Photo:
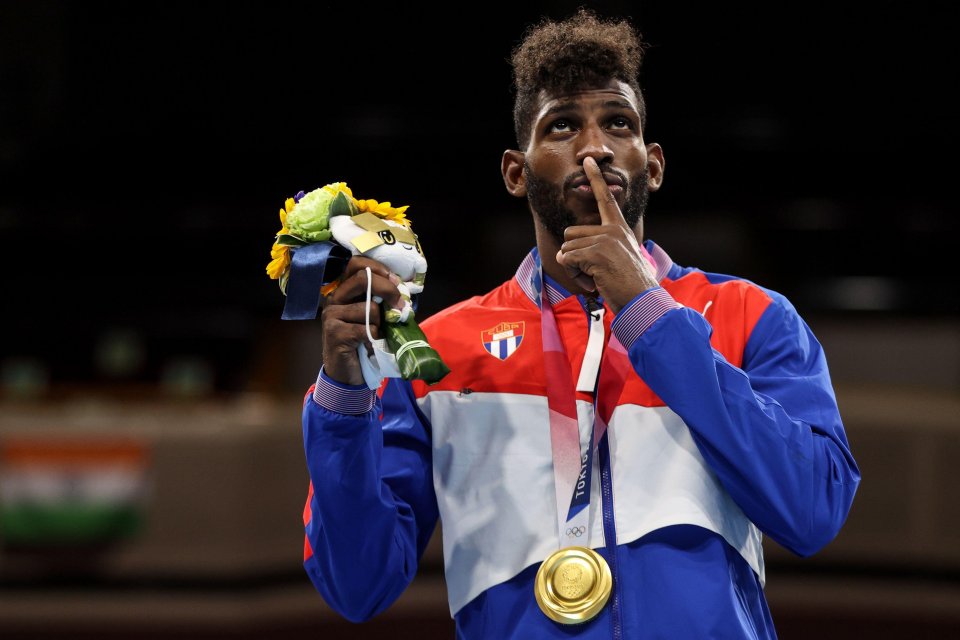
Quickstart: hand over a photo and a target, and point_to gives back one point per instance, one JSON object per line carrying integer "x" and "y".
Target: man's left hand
{"x": 606, "y": 257}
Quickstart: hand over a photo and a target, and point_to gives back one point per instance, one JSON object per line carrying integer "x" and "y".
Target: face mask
{"x": 383, "y": 363}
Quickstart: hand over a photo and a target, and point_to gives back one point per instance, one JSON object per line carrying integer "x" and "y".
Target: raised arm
{"x": 770, "y": 431}
{"x": 371, "y": 507}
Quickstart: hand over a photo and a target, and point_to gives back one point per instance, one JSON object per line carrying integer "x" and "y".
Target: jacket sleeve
{"x": 371, "y": 508}
{"x": 771, "y": 431}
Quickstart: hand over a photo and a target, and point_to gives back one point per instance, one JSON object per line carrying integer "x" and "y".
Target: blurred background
{"x": 151, "y": 465}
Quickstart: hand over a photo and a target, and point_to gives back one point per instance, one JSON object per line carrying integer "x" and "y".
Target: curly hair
{"x": 580, "y": 52}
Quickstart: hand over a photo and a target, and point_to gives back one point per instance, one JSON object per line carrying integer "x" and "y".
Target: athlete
{"x": 617, "y": 432}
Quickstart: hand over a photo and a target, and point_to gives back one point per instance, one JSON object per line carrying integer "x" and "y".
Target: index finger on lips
{"x": 607, "y": 204}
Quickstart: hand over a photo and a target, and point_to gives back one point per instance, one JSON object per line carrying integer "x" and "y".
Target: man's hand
{"x": 344, "y": 317}
{"x": 606, "y": 257}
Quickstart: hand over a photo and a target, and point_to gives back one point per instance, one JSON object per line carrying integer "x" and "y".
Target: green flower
{"x": 309, "y": 220}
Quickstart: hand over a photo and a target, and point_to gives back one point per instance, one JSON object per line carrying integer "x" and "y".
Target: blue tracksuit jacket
{"x": 727, "y": 428}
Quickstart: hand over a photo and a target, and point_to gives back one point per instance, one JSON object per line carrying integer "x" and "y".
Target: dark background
{"x": 145, "y": 149}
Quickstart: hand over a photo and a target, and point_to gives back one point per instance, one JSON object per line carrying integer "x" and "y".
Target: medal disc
{"x": 573, "y": 584}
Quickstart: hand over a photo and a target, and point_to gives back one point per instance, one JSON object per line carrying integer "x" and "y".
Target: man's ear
{"x": 512, "y": 169}
{"x": 655, "y": 166}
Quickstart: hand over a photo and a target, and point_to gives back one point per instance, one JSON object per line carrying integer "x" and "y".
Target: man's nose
{"x": 593, "y": 143}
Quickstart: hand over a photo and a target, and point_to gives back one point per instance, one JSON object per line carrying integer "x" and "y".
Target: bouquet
{"x": 320, "y": 231}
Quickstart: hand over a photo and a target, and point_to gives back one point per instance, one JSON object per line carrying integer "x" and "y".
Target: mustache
{"x": 582, "y": 175}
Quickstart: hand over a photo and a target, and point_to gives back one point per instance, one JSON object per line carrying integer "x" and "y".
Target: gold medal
{"x": 572, "y": 585}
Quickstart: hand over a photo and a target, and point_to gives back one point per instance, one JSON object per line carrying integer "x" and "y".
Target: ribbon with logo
{"x": 573, "y": 442}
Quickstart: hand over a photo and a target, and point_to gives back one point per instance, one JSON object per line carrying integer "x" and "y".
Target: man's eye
{"x": 559, "y": 125}
{"x": 621, "y": 123}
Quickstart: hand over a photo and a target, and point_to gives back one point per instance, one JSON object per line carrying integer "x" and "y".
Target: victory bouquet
{"x": 320, "y": 231}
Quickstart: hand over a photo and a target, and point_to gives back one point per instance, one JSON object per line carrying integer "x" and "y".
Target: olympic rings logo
{"x": 576, "y": 532}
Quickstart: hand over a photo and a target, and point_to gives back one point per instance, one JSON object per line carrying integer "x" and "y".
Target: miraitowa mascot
{"x": 320, "y": 231}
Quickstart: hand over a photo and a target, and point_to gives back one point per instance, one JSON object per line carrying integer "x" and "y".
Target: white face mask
{"x": 383, "y": 363}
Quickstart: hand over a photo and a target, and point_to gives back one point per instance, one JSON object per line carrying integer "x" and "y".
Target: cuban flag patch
{"x": 502, "y": 340}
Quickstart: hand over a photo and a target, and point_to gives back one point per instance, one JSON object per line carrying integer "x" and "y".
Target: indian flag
{"x": 70, "y": 491}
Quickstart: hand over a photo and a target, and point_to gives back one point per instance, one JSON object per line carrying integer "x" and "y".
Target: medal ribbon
{"x": 572, "y": 463}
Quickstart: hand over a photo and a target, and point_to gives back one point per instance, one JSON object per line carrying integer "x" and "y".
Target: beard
{"x": 546, "y": 200}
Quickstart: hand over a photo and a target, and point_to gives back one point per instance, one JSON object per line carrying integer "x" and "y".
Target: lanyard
{"x": 573, "y": 458}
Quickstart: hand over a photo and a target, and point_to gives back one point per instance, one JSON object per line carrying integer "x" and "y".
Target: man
{"x": 617, "y": 430}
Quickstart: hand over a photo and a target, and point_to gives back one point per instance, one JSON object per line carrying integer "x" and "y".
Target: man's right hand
{"x": 344, "y": 317}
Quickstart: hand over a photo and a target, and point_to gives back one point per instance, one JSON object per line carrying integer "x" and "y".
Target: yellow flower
{"x": 280, "y": 253}
{"x": 280, "y": 263}
{"x": 385, "y": 210}
{"x": 336, "y": 187}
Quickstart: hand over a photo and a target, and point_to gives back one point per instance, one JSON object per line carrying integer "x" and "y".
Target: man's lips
{"x": 581, "y": 184}
{"x": 586, "y": 189}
